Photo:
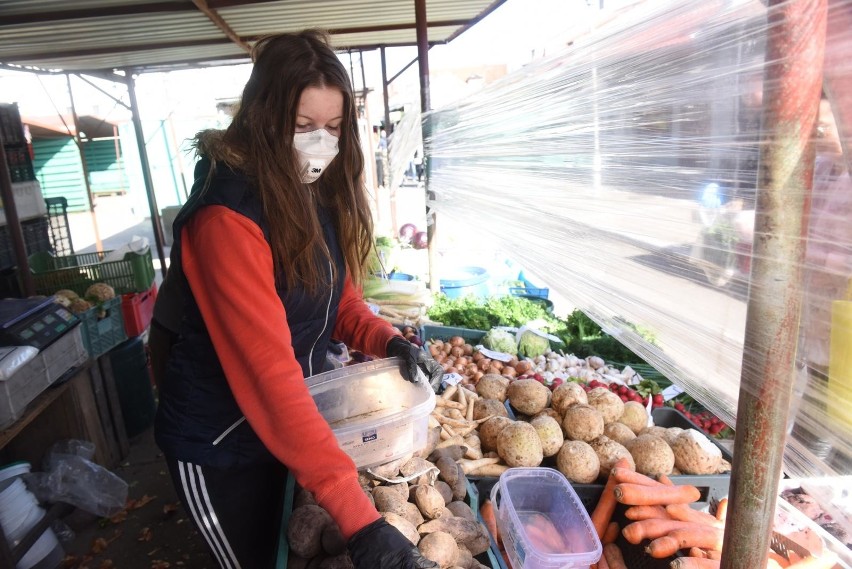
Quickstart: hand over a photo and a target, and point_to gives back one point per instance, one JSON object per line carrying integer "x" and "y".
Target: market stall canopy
{"x": 54, "y": 127}
{"x": 103, "y": 35}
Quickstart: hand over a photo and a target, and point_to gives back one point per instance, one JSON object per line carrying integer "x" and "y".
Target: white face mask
{"x": 316, "y": 150}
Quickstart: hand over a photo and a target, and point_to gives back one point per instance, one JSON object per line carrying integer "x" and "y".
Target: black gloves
{"x": 381, "y": 546}
{"x": 414, "y": 357}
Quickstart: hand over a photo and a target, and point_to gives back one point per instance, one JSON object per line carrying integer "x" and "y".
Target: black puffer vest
{"x": 198, "y": 419}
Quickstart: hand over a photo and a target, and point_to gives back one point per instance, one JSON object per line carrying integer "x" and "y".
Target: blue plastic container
{"x": 463, "y": 281}
{"x": 397, "y": 276}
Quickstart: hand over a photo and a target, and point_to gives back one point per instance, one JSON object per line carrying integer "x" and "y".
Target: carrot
{"x": 638, "y": 495}
{"x": 486, "y": 510}
{"x": 625, "y": 475}
{"x": 665, "y": 480}
{"x": 826, "y": 561}
{"x": 614, "y": 558}
{"x": 636, "y": 513}
{"x": 697, "y": 536}
{"x": 543, "y": 534}
{"x": 694, "y": 563}
{"x": 654, "y": 528}
{"x": 506, "y": 558}
{"x": 611, "y": 533}
{"x": 697, "y": 552}
{"x": 602, "y": 514}
{"x": 722, "y": 509}
{"x": 684, "y": 513}
{"x": 778, "y": 560}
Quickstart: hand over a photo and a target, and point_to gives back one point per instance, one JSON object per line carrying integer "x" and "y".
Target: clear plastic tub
{"x": 543, "y": 523}
{"x": 376, "y": 415}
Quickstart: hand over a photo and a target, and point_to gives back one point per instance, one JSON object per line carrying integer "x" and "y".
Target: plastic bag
{"x": 74, "y": 479}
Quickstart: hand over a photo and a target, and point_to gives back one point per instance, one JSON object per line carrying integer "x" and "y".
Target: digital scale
{"x": 36, "y": 322}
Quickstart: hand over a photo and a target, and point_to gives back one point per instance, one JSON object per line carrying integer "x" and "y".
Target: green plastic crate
{"x": 133, "y": 273}
{"x": 444, "y": 333}
{"x": 100, "y": 335}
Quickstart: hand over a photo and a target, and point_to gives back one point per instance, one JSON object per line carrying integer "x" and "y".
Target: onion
{"x": 484, "y": 364}
{"x": 462, "y": 361}
{"x": 494, "y": 369}
{"x": 498, "y": 364}
{"x": 477, "y": 356}
{"x": 457, "y": 351}
{"x": 468, "y": 349}
{"x": 477, "y": 376}
{"x": 457, "y": 341}
{"x": 420, "y": 240}
{"x": 509, "y": 371}
{"x": 523, "y": 367}
{"x": 407, "y": 232}
{"x": 471, "y": 369}
{"x": 434, "y": 351}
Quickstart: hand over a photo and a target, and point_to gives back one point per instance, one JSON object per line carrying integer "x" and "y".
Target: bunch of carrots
{"x": 659, "y": 512}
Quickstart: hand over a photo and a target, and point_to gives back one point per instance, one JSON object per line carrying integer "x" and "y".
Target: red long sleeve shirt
{"x": 229, "y": 267}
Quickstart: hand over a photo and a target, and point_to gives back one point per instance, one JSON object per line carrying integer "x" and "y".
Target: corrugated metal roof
{"x": 102, "y": 35}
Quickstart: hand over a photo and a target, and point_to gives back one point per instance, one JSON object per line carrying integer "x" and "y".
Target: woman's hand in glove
{"x": 379, "y": 545}
{"x": 413, "y": 358}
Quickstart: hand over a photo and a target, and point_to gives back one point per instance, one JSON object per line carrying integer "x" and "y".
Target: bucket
{"x": 464, "y": 281}
{"x": 397, "y": 276}
{"x": 19, "y": 513}
{"x": 13, "y": 470}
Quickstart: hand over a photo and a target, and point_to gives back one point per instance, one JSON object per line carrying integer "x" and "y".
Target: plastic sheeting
{"x": 624, "y": 172}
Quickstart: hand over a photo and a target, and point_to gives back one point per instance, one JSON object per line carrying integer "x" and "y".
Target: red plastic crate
{"x": 138, "y": 309}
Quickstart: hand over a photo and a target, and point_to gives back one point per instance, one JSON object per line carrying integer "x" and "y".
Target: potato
{"x": 528, "y": 396}
{"x": 461, "y": 510}
{"x": 333, "y": 542}
{"x": 460, "y": 528}
{"x": 582, "y": 423}
{"x": 404, "y": 526}
{"x": 484, "y": 407}
{"x": 303, "y": 498}
{"x": 695, "y": 454}
{"x": 653, "y": 456}
{"x": 608, "y": 403}
{"x": 480, "y": 543}
{"x": 619, "y": 432}
{"x": 429, "y": 501}
{"x": 389, "y": 499}
{"x": 304, "y": 530}
{"x": 465, "y": 558}
{"x": 492, "y": 386}
{"x": 655, "y": 430}
{"x": 550, "y": 412}
{"x": 490, "y": 430}
{"x": 609, "y": 452}
{"x": 566, "y": 395}
{"x": 439, "y": 547}
{"x": 519, "y": 445}
{"x": 578, "y": 461}
{"x": 634, "y": 416}
{"x": 342, "y": 561}
{"x": 445, "y": 490}
{"x": 411, "y": 512}
{"x": 550, "y": 433}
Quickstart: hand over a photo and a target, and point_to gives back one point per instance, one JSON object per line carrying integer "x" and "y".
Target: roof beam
{"x": 82, "y": 13}
{"x": 381, "y": 28}
{"x": 220, "y": 23}
{"x": 135, "y": 48}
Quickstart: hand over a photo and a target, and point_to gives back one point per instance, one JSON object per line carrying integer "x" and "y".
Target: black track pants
{"x": 237, "y": 512}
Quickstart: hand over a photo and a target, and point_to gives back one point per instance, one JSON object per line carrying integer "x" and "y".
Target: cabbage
{"x": 531, "y": 345}
{"x": 500, "y": 341}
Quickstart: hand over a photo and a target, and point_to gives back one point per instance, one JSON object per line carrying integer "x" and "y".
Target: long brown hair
{"x": 259, "y": 142}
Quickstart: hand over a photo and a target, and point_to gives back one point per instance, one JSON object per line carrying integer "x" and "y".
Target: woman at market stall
{"x": 265, "y": 266}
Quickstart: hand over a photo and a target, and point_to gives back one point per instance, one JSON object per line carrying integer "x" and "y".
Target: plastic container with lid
{"x": 542, "y": 520}
{"x": 376, "y": 415}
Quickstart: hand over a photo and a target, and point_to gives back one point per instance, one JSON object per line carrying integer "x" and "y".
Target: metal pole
{"x": 146, "y": 172}
{"x": 425, "y": 106}
{"x": 792, "y": 83}
{"x": 385, "y": 95}
{"x": 79, "y": 141}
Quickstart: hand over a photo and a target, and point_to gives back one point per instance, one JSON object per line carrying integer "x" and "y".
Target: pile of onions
{"x": 457, "y": 356}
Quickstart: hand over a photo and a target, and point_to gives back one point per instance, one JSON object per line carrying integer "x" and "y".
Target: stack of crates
{"x": 132, "y": 278}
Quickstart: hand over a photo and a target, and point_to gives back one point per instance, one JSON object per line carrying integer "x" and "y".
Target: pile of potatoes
{"x": 424, "y": 500}
{"x": 584, "y": 433}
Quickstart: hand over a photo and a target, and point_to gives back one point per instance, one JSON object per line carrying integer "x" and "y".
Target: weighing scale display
{"x": 33, "y": 322}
